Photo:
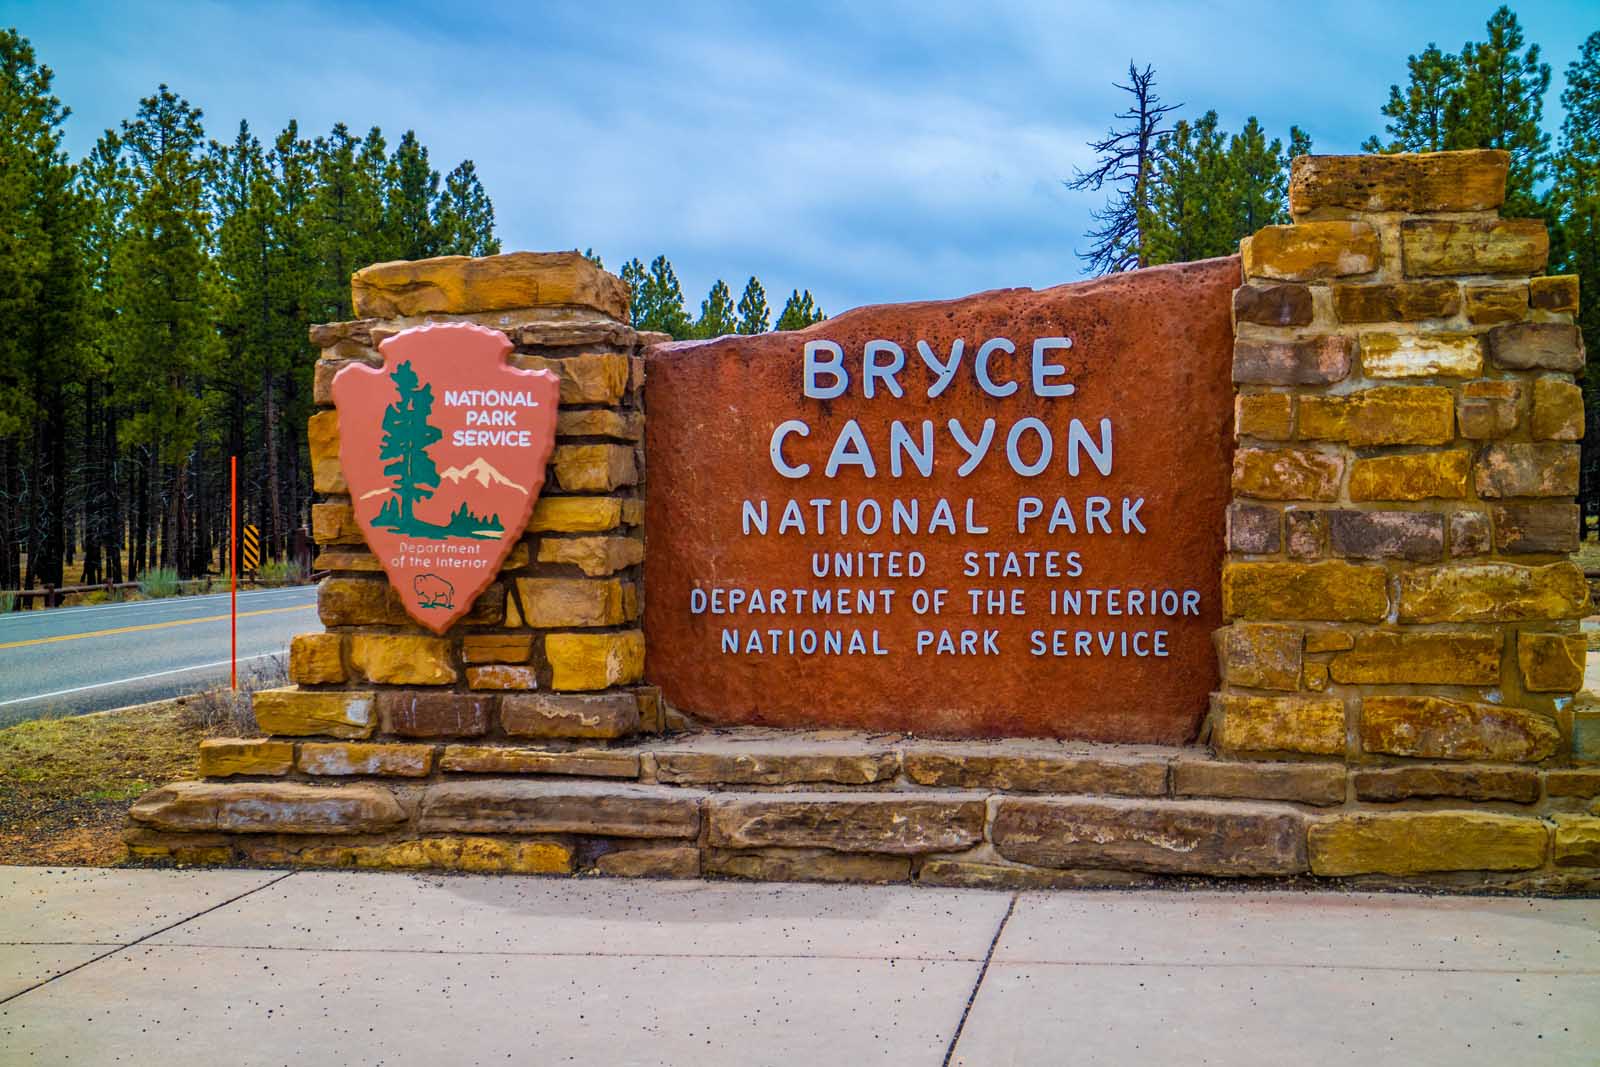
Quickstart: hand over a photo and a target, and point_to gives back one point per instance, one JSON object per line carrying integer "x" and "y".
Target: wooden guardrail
{"x": 52, "y": 595}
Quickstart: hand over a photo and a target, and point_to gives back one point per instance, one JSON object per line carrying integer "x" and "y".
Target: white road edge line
{"x": 136, "y": 678}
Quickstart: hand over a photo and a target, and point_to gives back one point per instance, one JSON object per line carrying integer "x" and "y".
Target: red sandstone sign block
{"x": 444, "y": 448}
{"x": 1001, "y": 515}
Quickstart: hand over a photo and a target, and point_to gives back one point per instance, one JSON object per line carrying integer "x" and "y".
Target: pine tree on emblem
{"x": 407, "y": 435}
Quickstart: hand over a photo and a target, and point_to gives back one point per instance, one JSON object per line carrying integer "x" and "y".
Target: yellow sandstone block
{"x": 1386, "y": 657}
{"x": 1287, "y": 473}
{"x": 224, "y": 757}
{"x": 1493, "y": 592}
{"x": 556, "y": 602}
{"x": 341, "y": 759}
{"x": 595, "y": 556}
{"x": 358, "y": 602}
{"x": 482, "y": 855}
{"x": 1421, "y": 355}
{"x": 463, "y": 285}
{"x": 314, "y": 659}
{"x": 1425, "y": 727}
{"x": 1558, "y": 294}
{"x": 1551, "y": 663}
{"x": 1416, "y": 842}
{"x": 1387, "y": 415}
{"x": 322, "y": 435}
{"x": 591, "y": 468}
{"x": 575, "y": 514}
{"x": 1279, "y": 724}
{"x": 601, "y": 422}
{"x": 402, "y": 659}
{"x": 1330, "y": 591}
{"x": 1491, "y": 305}
{"x": 300, "y": 713}
{"x": 1411, "y": 476}
{"x": 1443, "y": 247}
{"x": 1269, "y": 416}
{"x": 502, "y": 676}
{"x": 587, "y": 379}
{"x": 1557, "y": 410}
{"x": 1471, "y": 180}
{"x": 594, "y": 661}
{"x": 334, "y": 523}
{"x": 1311, "y": 251}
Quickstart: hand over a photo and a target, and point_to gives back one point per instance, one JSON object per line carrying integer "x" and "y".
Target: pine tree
{"x": 1576, "y": 202}
{"x": 633, "y": 276}
{"x": 716, "y": 312}
{"x": 42, "y": 219}
{"x": 594, "y": 257}
{"x": 663, "y": 301}
{"x": 105, "y": 185}
{"x": 1192, "y": 209}
{"x": 1501, "y": 105}
{"x": 291, "y": 169}
{"x": 754, "y": 315}
{"x": 1127, "y": 163}
{"x": 1259, "y": 176}
{"x": 164, "y": 329}
{"x": 463, "y": 217}
{"x": 1418, "y": 119}
{"x": 799, "y": 311}
{"x": 344, "y": 215}
{"x": 1489, "y": 96}
{"x": 407, "y": 436}
{"x": 411, "y": 188}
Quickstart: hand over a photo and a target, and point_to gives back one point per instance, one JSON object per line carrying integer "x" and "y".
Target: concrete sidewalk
{"x": 248, "y": 967}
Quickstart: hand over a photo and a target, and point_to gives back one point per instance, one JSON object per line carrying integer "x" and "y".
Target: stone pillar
{"x": 1398, "y": 580}
{"x": 551, "y": 652}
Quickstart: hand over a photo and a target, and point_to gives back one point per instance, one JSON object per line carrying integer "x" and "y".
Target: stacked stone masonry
{"x": 1398, "y": 673}
{"x": 1398, "y": 581}
{"x": 562, "y": 617}
{"x": 774, "y": 804}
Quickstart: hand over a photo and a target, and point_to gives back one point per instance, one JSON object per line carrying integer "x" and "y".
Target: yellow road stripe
{"x": 149, "y": 626}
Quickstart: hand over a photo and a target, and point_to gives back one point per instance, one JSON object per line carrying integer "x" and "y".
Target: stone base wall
{"x": 781, "y": 805}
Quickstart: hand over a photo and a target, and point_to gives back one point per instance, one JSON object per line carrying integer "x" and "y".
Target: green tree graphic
{"x": 407, "y": 435}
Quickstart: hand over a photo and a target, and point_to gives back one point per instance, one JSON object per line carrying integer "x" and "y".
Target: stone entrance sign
{"x": 1338, "y": 467}
{"x": 1000, "y": 515}
{"x": 444, "y": 448}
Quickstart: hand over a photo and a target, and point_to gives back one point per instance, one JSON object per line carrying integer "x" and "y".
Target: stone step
{"x": 772, "y": 759}
{"x": 974, "y": 836}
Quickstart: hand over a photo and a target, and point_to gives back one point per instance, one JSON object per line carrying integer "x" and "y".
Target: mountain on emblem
{"x": 482, "y": 470}
{"x": 444, "y": 447}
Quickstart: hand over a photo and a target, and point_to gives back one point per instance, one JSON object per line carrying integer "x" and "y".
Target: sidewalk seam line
{"x": 140, "y": 940}
{"x": 955, "y": 1038}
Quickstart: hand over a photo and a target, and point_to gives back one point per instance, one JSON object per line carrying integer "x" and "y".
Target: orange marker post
{"x": 233, "y": 573}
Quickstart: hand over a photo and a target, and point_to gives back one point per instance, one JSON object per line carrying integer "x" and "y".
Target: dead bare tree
{"x": 1127, "y": 163}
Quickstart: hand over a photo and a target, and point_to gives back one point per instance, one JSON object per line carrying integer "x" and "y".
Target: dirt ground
{"x": 65, "y": 784}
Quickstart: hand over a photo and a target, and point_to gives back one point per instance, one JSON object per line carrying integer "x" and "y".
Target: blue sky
{"x": 873, "y": 152}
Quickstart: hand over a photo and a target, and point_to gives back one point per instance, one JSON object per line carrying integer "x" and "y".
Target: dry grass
{"x": 65, "y": 784}
{"x": 222, "y": 711}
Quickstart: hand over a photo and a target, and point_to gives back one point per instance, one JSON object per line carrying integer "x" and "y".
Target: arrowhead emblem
{"x": 444, "y": 448}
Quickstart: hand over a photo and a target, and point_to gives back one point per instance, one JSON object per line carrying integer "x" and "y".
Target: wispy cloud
{"x": 871, "y": 152}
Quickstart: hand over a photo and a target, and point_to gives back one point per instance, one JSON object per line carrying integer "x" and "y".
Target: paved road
{"x": 263, "y": 967}
{"x": 75, "y": 660}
